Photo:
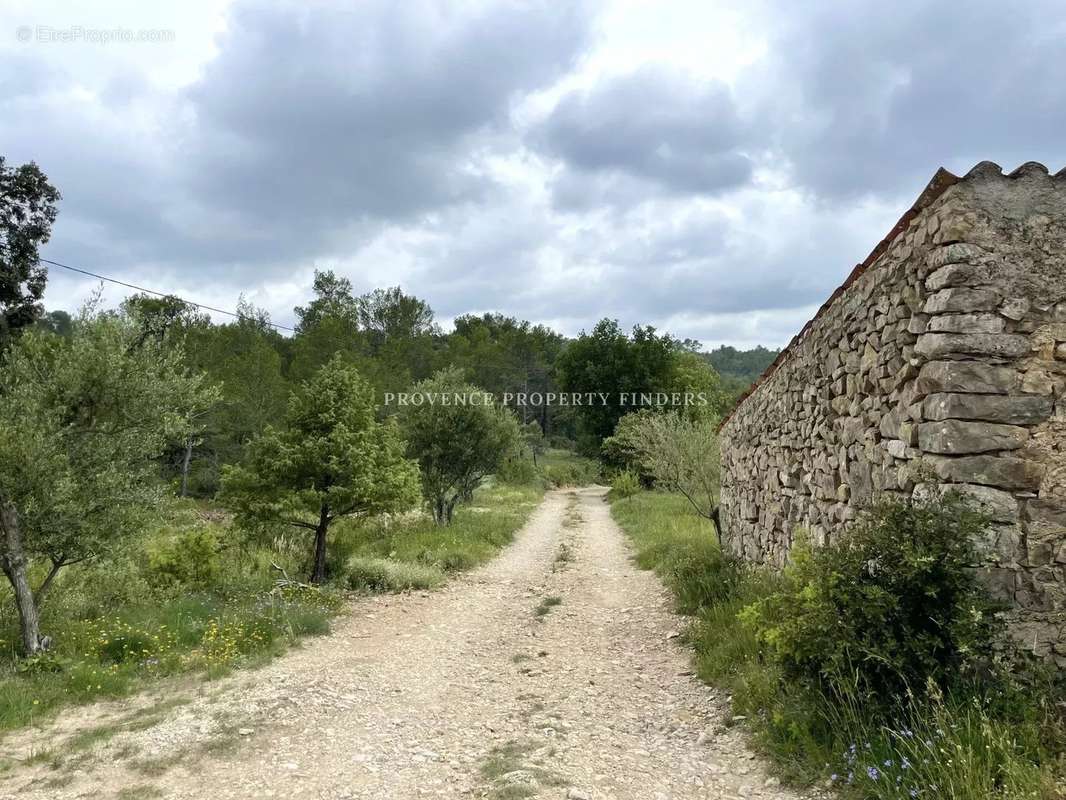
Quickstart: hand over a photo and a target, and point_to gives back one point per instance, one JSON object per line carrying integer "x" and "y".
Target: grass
{"x": 117, "y": 628}
{"x": 414, "y": 553}
{"x": 546, "y": 605}
{"x": 516, "y": 757}
{"x": 120, "y": 625}
{"x": 967, "y": 747}
{"x": 565, "y": 468}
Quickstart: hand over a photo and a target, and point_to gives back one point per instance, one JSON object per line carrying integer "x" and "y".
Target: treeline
{"x": 392, "y": 339}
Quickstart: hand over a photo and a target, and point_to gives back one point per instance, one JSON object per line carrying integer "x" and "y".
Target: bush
{"x": 625, "y": 484}
{"x": 517, "y": 469}
{"x": 188, "y": 558}
{"x": 384, "y": 575}
{"x": 891, "y": 606}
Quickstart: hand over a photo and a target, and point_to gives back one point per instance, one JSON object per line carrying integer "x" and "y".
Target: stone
{"x": 1000, "y": 506}
{"x": 960, "y": 345}
{"x": 1003, "y": 472}
{"x": 1038, "y": 381}
{"x": 953, "y": 436}
{"x": 943, "y": 365}
{"x": 965, "y": 323}
{"x": 966, "y": 376}
{"x": 957, "y": 253}
{"x": 954, "y": 275}
{"x": 1015, "y": 308}
{"x": 1015, "y": 410}
{"x": 961, "y": 299}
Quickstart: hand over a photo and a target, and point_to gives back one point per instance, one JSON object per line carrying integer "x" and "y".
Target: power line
{"x": 158, "y": 294}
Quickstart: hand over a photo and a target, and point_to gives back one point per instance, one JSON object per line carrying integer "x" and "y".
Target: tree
{"x": 692, "y": 374}
{"x": 81, "y": 422}
{"x": 609, "y": 361}
{"x": 387, "y": 314}
{"x": 58, "y": 322}
{"x": 458, "y": 435}
{"x": 242, "y": 358}
{"x": 533, "y": 438}
{"x": 27, "y": 211}
{"x": 333, "y": 299}
{"x": 332, "y": 459}
{"x": 678, "y": 452}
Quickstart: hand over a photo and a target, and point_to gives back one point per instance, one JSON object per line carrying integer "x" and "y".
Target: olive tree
{"x": 330, "y": 459}
{"x": 82, "y": 420}
{"x": 458, "y": 435}
{"x": 678, "y": 452}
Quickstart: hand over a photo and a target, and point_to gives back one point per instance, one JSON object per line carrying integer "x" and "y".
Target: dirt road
{"x": 550, "y": 672}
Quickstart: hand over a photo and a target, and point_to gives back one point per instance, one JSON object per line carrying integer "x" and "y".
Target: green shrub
{"x": 517, "y": 469}
{"x": 625, "y": 484}
{"x": 701, "y": 575}
{"x": 887, "y": 608}
{"x": 383, "y": 575}
{"x": 187, "y": 558}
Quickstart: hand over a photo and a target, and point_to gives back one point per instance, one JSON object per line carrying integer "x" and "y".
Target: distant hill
{"x": 742, "y": 365}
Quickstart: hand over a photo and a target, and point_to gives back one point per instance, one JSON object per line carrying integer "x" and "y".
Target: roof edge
{"x": 941, "y": 181}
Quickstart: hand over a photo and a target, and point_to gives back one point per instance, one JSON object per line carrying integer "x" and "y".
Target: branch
{"x": 300, "y": 524}
{"x": 57, "y": 564}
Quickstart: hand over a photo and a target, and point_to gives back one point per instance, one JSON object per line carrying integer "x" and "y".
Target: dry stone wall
{"x": 942, "y": 362}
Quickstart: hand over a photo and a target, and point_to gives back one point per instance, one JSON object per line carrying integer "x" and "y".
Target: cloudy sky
{"x": 713, "y": 168}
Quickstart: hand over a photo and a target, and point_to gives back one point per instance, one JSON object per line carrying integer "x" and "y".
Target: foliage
{"x": 476, "y": 534}
{"x": 746, "y": 365}
{"x": 678, "y": 452}
{"x": 564, "y": 468}
{"x": 385, "y": 575}
{"x": 888, "y": 608}
{"x": 27, "y": 211}
{"x": 506, "y": 356}
{"x": 243, "y": 359}
{"x": 625, "y": 484}
{"x": 1001, "y": 739}
{"x": 333, "y": 459}
{"x": 691, "y": 374}
{"x": 118, "y": 628}
{"x": 456, "y": 442}
{"x": 81, "y": 421}
{"x": 608, "y": 361}
{"x": 190, "y": 558}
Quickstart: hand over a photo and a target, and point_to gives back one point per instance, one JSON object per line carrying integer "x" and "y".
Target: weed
{"x": 547, "y": 604}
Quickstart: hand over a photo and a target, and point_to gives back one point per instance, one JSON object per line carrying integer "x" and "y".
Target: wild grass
{"x": 412, "y": 552}
{"x": 564, "y": 468}
{"x": 972, "y": 745}
{"x": 546, "y": 605}
{"x": 122, "y": 624}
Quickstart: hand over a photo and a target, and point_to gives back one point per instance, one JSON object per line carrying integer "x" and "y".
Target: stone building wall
{"x": 941, "y": 361}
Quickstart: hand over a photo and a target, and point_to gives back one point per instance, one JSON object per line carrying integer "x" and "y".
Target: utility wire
{"x": 158, "y": 294}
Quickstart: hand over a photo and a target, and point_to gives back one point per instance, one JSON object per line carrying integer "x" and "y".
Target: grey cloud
{"x": 869, "y": 97}
{"x": 669, "y": 130}
{"x": 313, "y": 126}
{"x": 314, "y": 116}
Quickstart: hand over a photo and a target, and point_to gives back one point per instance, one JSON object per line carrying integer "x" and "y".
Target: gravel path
{"x": 482, "y": 689}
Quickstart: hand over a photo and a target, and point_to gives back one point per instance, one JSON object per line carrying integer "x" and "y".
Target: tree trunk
{"x": 185, "y": 468}
{"x": 438, "y": 511}
{"x": 318, "y": 574}
{"x": 13, "y": 561}
{"x": 717, "y": 521}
